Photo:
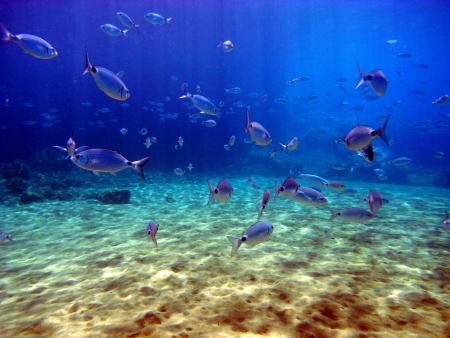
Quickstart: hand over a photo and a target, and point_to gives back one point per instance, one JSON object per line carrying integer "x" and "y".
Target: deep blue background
{"x": 274, "y": 42}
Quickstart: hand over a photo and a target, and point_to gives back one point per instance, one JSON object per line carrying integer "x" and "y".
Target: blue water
{"x": 44, "y": 102}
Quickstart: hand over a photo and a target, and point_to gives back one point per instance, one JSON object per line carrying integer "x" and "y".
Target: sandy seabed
{"x": 84, "y": 269}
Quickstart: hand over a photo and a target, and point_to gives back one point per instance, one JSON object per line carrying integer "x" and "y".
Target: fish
{"x": 143, "y": 131}
{"x": 291, "y": 146}
{"x": 255, "y": 234}
{"x": 112, "y": 30}
{"x": 264, "y": 201}
{"x": 178, "y": 171}
{"x": 70, "y": 148}
{"x": 202, "y": 103}
{"x": 361, "y": 137}
{"x": 156, "y": 19}
{"x": 180, "y": 141}
{"x": 391, "y": 42}
{"x": 152, "y": 229}
{"x": 309, "y": 196}
{"x": 227, "y": 147}
{"x": 148, "y": 142}
{"x": 109, "y": 161}
{"x": 356, "y": 215}
{"x": 209, "y": 123}
{"x": 335, "y": 185}
{"x": 313, "y": 179}
{"x": 227, "y": 46}
{"x": 123, "y": 131}
{"x": 401, "y": 161}
{"x": 4, "y": 236}
{"x": 232, "y": 140}
{"x": 404, "y": 55}
{"x": 30, "y": 44}
{"x": 125, "y": 20}
{"x": 441, "y": 100}
{"x": 367, "y": 153}
{"x": 288, "y": 188}
{"x": 258, "y": 133}
{"x": 222, "y": 193}
{"x": 190, "y": 167}
{"x": 375, "y": 201}
{"x": 234, "y": 90}
{"x": 376, "y": 80}
{"x": 107, "y": 81}
{"x": 252, "y": 183}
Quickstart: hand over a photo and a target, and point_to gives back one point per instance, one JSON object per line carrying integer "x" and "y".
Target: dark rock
{"x": 15, "y": 169}
{"x": 29, "y": 197}
{"x": 16, "y": 186}
{"x": 114, "y": 197}
{"x": 64, "y": 196}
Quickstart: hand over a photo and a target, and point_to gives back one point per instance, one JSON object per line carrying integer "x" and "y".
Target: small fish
{"x": 335, "y": 185}
{"x": 375, "y": 79}
{"x": 190, "y": 167}
{"x": 108, "y": 161}
{"x": 123, "y": 131}
{"x": 232, "y": 140}
{"x": 227, "y": 46}
{"x": 180, "y": 141}
{"x": 71, "y": 148}
{"x": 178, "y": 171}
{"x": 255, "y": 234}
{"x": 209, "y": 123}
{"x": 107, "y": 81}
{"x": 126, "y": 20}
{"x": 202, "y": 103}
{"x": 264, "y": 202}
{"x": 227, "y": 147}
{"x": 4, "y": 236}
{"x": 338, "y": 166}
{"x": 30, "y": 44}
{"x": 401, "y": 161}
{"x": 152, "y": 229}
{"x": 441, "y": 100}
{"x": 143, "y": 131}
{"x": 112, "y": 30}
{"x": 391, "y": 42}
{"x": 440, "y": 155}
{"x": 375, "y": 201}
{"x": 222, "y": 193}
{"x": 356, "y": 215}
{"x": 288, "y": 188}
{"x": 148, "y": 142}
{"x": 257, "y": 132}
{"x": 104, "y": 110}
{"x": 360, "y": 137}
{"x": 313, "y": 179}
{"x": 404, "y": 55}
{"x": 291, "y": 146}
{"x": 309, "y": 196}
{"x": 156, "y": 19}
{"x": 234, "y": 90}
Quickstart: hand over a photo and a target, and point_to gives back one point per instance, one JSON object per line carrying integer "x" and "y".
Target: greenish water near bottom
{"x": 84, "y": 269}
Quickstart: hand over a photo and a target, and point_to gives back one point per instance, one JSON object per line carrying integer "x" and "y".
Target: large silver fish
{"x": 202, "y": 103}
{"x": 313, "y": 179}
{"x": 361, "y": 137}
{"x": 257, "y": 132}
{"x": 126, "y": 20}
{"x": 222, "y": 193}
{"x": 107, "y": 161}
{"x": 309, "y": 196}
{"x": 356, "y": 215}
{"x": 30, "y": 44}
{"x": 107, "y": 81}
{"x": 255, "y": 234}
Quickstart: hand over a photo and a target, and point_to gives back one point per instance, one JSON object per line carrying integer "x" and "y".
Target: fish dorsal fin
{"x": 120, "y": 74}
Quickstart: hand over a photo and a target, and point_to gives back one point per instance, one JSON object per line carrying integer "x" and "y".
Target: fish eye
{"x": 282, "y": 189}
{"x": 216, "y": 191}
{"x": 94, "y": 70}
{"x": 129, "y": 163}
{"x": 244, "y": 238}
{"x": 77, "y": 157}
{"x": 369, "y": 77}
{"x": 339, "y": 214}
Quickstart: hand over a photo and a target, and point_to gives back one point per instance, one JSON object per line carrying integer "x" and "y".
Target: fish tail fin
{"x": 168, "y": 20}
{"x": 381, "y": 132}
{"x": 361, "y": 78}
{"x": 60, "y": 148}
{"x": 186, "y": 95}
{"x": 125, "y": 32}
{"x": 87, "y": 63}
{"x": 5, "y": 35}
{"x": 138, "y": 166}
{"x": 235, "y": 243}
{"x": 247, "y": 123}
{"x": 211, "y": 192}
{"x": 153, "y": 238}
{"x": 283, "y": 146}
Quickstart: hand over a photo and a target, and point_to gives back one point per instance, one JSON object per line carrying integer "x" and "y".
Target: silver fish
{"x": 30, "y": 44}
{"x": 222, "y": 193}
{"x": 112, "y": 30}
{"x": 107, "y": 81}
{"x": 255, "y": 234}
{"x": 202, "y": 103}
{"x": 227, "y": 46}
{"x": 126, "y": 20}
{"x": 313, "y": 179}
{"x": 356, "y": 215}
{"x": 309, "y": 196}
{"x": 360, "y": 137}
{"x": 156, "y": 19}
{"x": 401, "y": 161}
{"x": 257, "y": 132}
{"x": 108, "y": 161}
{"x": 291, "y": 146}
